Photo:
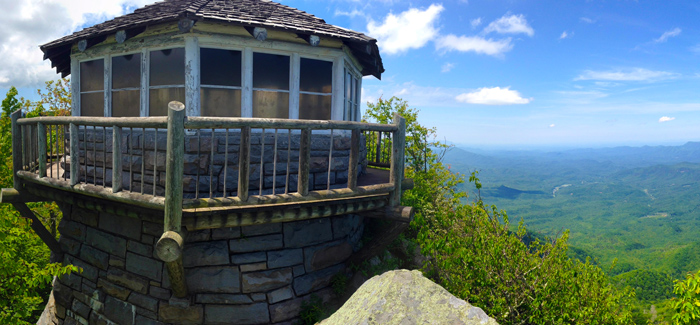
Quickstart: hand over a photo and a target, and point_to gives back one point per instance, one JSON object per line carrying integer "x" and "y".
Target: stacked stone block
{"x": 243, "y": 275}
{"x": 211, "y": 161}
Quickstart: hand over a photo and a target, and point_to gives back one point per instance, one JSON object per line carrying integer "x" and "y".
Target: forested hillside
{"x": 635, "y": 208}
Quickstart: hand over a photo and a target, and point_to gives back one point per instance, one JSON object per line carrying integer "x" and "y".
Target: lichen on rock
{"x": 406, "y": 297}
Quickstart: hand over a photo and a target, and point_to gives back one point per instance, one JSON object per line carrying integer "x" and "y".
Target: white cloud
{"x": 665, "y": 36}
{"x": 695, "y": 49}
{"x": 410, "y": 29}
{"x": 30, "y": 23}
{"x": 513, "y": 24}
{"x": 474, "y": 44}
{"x": 587, "y": 20}
{"x": 551, "y": 125}
{"x": 447, "y": 67}
{"x": 634, "y": 74}
{"x": 475, "y": 22}
{"x": 666, "y": 119}
{"x": 493, "y": 96}
{"x": 564, "y": 35}
{"x": 352, "y": 14}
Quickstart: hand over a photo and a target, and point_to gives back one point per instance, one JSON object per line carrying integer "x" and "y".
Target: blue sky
{"x": 501, "y": 72}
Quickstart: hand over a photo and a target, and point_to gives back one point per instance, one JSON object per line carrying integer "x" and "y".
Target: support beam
{"x": 39, "y": 229}
{"x": 398, "y": 145}
{"x": 396, "y": 213}
{"x": 169, "y": 249}
{"x": 11, "y": 195}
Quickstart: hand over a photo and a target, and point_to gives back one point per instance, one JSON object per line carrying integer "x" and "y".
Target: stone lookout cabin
{"x": 214, "y": 169}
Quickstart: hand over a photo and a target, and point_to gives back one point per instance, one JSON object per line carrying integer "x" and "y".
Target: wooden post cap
{"x": 176, "y": 106}
{"x": 169, "y": 246}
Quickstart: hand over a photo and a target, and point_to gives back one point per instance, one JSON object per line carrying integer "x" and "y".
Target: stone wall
{"x": 243, "y": 275}
{"x": 206, "y": 157}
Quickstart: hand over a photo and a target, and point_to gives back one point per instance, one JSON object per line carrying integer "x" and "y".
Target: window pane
{"x": 270, "y": 71}
{"x": 221, "y": 102}
{"x": 220, "y": 67}
{"x": 314, "y": 107}
{"x": 92, "y": 104}
{"x": 92, "y": 75}
{"x": 126, "y": 71}
{"x": 126, "y": 103}
{"x": 270, "y": 104}
{"x": 159, "y": 99}
{"x": 316, "y": 76}
{"x": 348, "y": 85}
{"x": 167, "y": 67}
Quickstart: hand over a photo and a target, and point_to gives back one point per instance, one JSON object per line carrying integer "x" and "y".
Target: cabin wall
{"x": 242, "y": 275}
{"x": 140, "y": 150}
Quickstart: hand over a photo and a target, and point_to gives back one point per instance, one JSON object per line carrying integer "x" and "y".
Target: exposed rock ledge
{"x": 406, "y": 297}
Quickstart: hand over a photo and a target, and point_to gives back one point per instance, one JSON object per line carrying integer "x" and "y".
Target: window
{"x": 220, "y": 90}
{"x": 126, "y": 85}
{"x": 92, "y": 83}
{"x": 270, "y": 85}
{"x": 352, "y": 97}
{"x": 315, "y": 89}
{"x": 167, "y": 80}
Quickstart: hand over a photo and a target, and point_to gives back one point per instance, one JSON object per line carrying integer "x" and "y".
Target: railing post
{"x": 41, "y": 148}
{"x": 170, "y": 245}
{"x": 244, "y": 164}
{"x": 116, "y": 159}
{"x": 16, "y": 148}
{"x": 74, "y": 155}
{"x": 354, "y": 159}
{"x": 304, "y": 158}
{"x": 378, "y": 152}
{"x": 397, "y": 158}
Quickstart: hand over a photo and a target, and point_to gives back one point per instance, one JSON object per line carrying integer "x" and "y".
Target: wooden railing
{"x": 126, "y": 159}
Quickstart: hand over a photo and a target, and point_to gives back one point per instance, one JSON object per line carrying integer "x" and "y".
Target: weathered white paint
{"x": 192, "y": 77}
{"x": 338, "y": 101}
{"x": 294, "y": 74}
{"x": 280, "y": 47}
{"x": 247, "y": 94}
{"x": 75, "y": 86}
{"x": 145, "y": 62}
{"x": 108, "y": 85}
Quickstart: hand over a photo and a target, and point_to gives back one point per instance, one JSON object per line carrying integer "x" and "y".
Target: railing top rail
{"x": 135, "y": 122}
{"x": 200, "y": 122}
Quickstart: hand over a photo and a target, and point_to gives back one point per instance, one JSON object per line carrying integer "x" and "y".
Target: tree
{"x": 476, "y": 255}
{"x": 687, "y": 302}
{"x": 25, "y": 271}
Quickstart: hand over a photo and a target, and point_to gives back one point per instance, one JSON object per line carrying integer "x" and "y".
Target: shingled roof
{"x": 247, "y": 13}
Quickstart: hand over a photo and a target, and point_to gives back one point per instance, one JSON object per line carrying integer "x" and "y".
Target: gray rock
{"x": 223, "y": 299}
{"x": 345, "y": 225}
{"x": 226, "y": 233}
{"x": 127, "y": 279}
{"x": 124, "y": 226}
{"x": 253, "y": 244}
{"x": 307, "y": 232}
{"x": 283, "y": 258}
{"x": 72, "y": 229}
{"x": 239, "y": 259}
{"x": 266, "y": 280}
{"x": 144, "y": 266}
{"x": 120, "y": 312}
{"x": 237, "y": 314}
{"x": 323, "y": 256}
{"x": 264, "y": 229}
{"x": 180, "y": 315}
{"x": 280, "y": 294}
{"x": 206, "y": 253}
{"x": 95, "y": 257}
{"x": 315, "y": 280}
{"x": 144, "y": 301}
{"x": 221, "y": 279}
{"x": 139, "y": 248}
{"x": 105, "y": 242}
{"x": 406, "y": 297}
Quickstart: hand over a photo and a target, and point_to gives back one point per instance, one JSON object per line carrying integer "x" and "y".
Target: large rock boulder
{"x": 406, "y": 297}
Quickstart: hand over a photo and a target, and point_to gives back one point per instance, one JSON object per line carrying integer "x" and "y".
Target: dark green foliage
{"x": 25, "y": 271}
{"x": 687, "y": 305}
{"x": 311, "y": 311}
{"x": 514, "y": 276}
{"x": 647, "y": 285}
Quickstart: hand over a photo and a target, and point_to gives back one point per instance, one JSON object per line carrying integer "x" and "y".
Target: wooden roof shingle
{"x": 247, "y": 13}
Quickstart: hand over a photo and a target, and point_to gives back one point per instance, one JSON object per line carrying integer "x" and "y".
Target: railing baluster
{"x": 41, "y": 148}
{"x": 330, "y": 162}
{"x": 244, "y": 164}
{"x": 74, "y": 154}
{"x": 304, "y": 158}
{"x": 131, "y": 159}
{"x": 211, "y": 165}
{"x": 354, "y": 159}
{"x": 104, "y": 156}
{"x": 225, "y": 163}
{"x": 378, "y": 156}
{"x": 17, "y": 152}
{"x": 262, "y": 160}
{"x": 117, "y": 159}
{"x": 85, "y": 141}
{"x": 199, "y": 156}
{"x": 143, "y": 159}
{"x": 289, "y": 156}
{"x": 94, "y": 155}
{"x": 155, "y": 159}
{"x": 397, "y": 159}
{"x": 50, "y": 154}
{"x": 274, "y": 165}
{"x": 65, "y": 151}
